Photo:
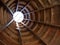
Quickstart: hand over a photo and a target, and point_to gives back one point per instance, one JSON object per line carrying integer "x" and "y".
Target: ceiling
{"x": 41, "y": 24}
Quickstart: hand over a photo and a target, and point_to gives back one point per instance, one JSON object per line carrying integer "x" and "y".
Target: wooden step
{"x": 29, "y": 38}
{"x": 32, "y": 43}
{"x": 56, "y": 39}
{"x": 25, "y": 33}
{"x": 43, "y": 31}
{"x": 48, "y": 36}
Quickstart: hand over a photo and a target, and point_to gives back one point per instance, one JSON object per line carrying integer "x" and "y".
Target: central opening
{"x": 18, "y": 16}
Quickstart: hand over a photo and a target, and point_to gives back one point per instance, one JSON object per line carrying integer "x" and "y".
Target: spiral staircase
{"x": 41, "y": 24}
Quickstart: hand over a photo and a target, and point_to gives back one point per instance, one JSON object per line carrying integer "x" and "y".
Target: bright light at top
{"x": 18, "y": 17}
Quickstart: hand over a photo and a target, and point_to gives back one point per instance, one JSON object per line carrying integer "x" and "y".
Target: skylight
{"x": 18, "y": 17}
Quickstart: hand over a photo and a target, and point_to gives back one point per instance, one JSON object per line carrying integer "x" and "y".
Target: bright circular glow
{"x": 18, "y": 17}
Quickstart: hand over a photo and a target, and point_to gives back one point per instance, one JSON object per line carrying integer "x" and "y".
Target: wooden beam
{"x": 6, "y": 25}
{"x": 19, "y": 35}
{"x": 26, "y": 5}
{"x": 42, "y": 9}
{"x": 47, "y": 24}
{"x": 17, "y": 1}
{"x": 6, "y": 7}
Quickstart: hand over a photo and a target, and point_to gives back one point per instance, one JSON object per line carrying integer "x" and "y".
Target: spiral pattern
{"x": 41, "y": 25}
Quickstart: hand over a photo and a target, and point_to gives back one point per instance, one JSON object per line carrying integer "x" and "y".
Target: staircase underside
{"x": 41, "y": 24}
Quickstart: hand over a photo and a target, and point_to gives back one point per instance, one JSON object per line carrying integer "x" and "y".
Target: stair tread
{"x": 33, "y": 43}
